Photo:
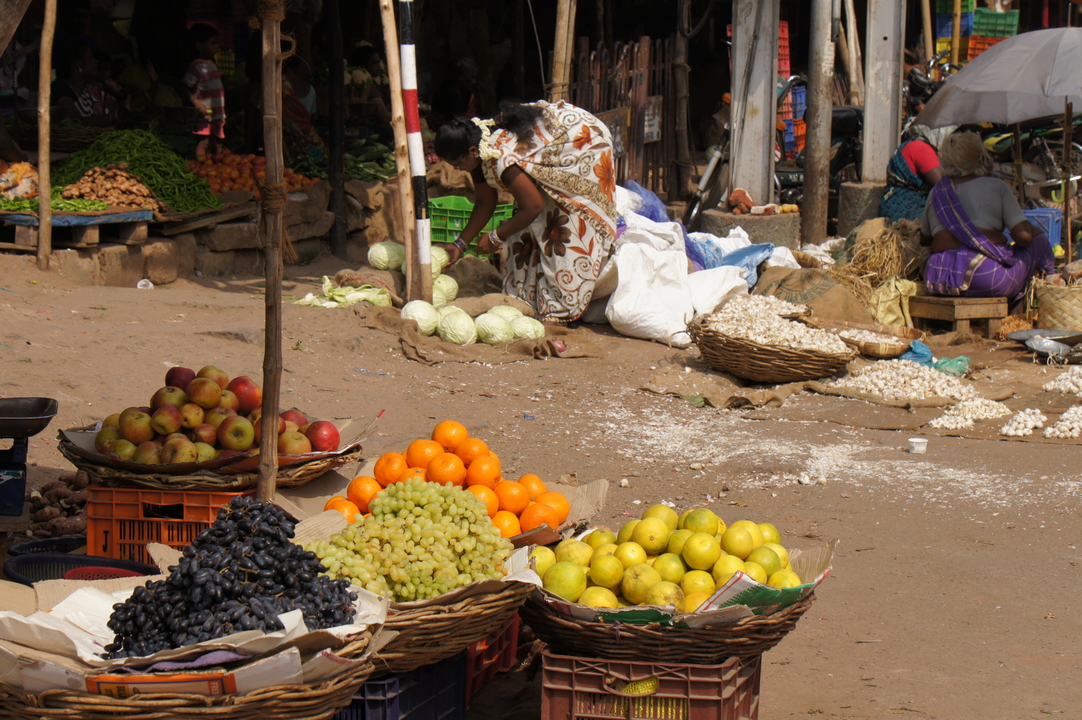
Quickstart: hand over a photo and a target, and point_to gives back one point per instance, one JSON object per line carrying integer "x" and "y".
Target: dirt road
{"x": 952, "y": 589}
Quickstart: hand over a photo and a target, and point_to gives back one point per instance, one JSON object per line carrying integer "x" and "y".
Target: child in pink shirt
{"x": 205, "y": 88}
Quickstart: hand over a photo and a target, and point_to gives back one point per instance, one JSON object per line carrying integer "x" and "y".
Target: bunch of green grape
{"x": 422, "y": 540}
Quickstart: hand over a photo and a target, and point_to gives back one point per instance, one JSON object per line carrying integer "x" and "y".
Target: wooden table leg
{"x": 961, "y": 326}
{"x": 993, "y": 327}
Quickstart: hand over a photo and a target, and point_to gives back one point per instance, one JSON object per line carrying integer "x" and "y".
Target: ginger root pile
{"x": 116, "y": 187}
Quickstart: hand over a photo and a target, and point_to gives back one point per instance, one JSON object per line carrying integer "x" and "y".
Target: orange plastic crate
{"x": 121, "y": 522}
{"x": 979, "y": 43}
{"x": 495, "y": 654}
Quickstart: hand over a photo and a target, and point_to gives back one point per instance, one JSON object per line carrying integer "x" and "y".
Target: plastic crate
{"x": 798, "y": 94}
{"x": 433, "y": 692}
{"x": 800, "y": 132}
{"x": 121, "y": 522}
{"x": 947, "y": 6}
{"x": 57, "y": 545}
{"x": 944, "y": 25}
{"x": 989, "y": 23}
{"x": 449, "y": 215}
{"x": 783, "y": 30}
{"x": 495, "y": 654}
{"x": 785, "y": 109}
{"x": 1049, "y": 221}
{"x": 979, "y": 43}
{"x": 945, "y": 44}
{"x": 576, "y": 688}
{"x": 36, "y": 567}
{"x": 783, "y": 64}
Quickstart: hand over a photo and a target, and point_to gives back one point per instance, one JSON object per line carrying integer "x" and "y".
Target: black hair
{"x": 455, "y": 138}
{"x": 200, "y": 33}
{"x": 360, "y": 56}
{"x": 293, "y": 62}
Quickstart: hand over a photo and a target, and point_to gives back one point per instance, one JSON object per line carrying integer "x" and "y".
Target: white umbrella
{"x": 1022, "y": 78}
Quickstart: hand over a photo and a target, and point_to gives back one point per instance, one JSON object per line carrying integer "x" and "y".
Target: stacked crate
{"x": 944, "y": 26}
{"x": 990, "y": 28}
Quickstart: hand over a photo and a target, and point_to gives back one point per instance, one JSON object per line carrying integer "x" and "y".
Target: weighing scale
{"x": 20, "y": 420}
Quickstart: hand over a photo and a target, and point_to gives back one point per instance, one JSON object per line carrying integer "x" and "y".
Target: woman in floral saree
{"x": 556, "y": 160}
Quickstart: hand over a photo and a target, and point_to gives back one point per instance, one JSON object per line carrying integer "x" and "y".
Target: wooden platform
{"x": 959, "y": 311}
{"x": 79, "y": 231}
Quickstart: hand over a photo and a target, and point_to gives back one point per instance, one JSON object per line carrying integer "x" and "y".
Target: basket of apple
{"x": 202, "y": 430}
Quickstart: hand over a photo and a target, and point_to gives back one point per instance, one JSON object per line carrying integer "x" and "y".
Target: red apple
{"x": 192, "y": 415}
{"x": 105, "y": 435}
{"x": 205, "y": 393}
{"x": 296, "y": 416}
{"x": 255, "y": 415}
{"x": 248, "y": 393}
{"x": 179, "y": 377}
{"x": 216, "y": 374}
{"x": 173, "y": 396}
{"x": 175, "y": 436}
{"x": 121, "y": 449}
{"x": 204, "y": 452}
{"x": 111, "y": 421}
{"x": 166, "y": 419}
{"x": 258, "y": 425}
{"x": 292, "y": 442}
{"x": 290, "y": 425}
{"x": 205, "y": 433}
{"x": 136, "y": 428}
{"x": 323, "y": 436}
{"x": 148, "y": 453}
{"x": 216, "y": 415}
{"x": 229, "y": 399}
{"x": 179, "y": 451}
{"x": 128, "y": 411}
{"x": 236, "y": 433}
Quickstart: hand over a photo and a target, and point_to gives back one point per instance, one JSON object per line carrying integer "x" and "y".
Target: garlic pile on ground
{"x": 869, "y": 336}
{"x": 759, "y": 305}
{"x": 966, "y": 412}
{"x": 907, "y": 380}
{"x": 1069, "y": 381}
{"x": 1023, "y": 423}
{"x": 757, "y": 322}
{"x": 1069, "y": 425}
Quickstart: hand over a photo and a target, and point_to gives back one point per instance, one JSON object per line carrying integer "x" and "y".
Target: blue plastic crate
{"x": 798, "y": 95}
{"x": 433, "y": 692}
{"x": 944, "y": 25}
{"x": 1049, "y": 221}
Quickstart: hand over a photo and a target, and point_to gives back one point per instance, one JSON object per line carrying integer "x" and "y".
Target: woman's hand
{"x": 487, "y": 246}
{"x": 454, "y": 254}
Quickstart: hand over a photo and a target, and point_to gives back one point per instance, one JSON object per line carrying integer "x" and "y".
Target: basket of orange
{"x": 500, "y": 509}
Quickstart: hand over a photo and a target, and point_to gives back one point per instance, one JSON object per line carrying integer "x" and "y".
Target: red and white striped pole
{"x": 423, "y": 233}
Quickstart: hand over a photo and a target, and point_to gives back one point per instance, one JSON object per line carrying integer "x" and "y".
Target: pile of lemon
{"x": 664, "y": 559}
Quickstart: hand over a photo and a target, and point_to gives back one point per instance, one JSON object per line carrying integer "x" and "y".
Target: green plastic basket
{"x": 449, "y": 215}
{"x": 989, "y": 23}
{"x": 947, "y": 6}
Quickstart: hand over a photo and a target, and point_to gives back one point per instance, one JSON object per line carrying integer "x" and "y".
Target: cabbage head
{"x": 527, "y": 328}
{"x": 493, "y": 330}
{"x": 440, "y": 258}
{"x": 444, "y": 290}
{"x": 506, "y": 312}
{"x": 426, "y": 316}
{"x": 450, "y": 309}
{"x": 458, "y": 328}
{"x": 386, "y": 255}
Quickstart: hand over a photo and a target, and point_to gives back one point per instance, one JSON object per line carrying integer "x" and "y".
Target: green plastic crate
{"x": 988, "y": 23}
{"x": 947, "y": 6}
{"x": 449, "y": 215}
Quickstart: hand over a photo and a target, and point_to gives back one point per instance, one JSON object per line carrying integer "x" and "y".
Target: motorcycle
{"x": 846, "y": 151}
{"x": 920, "y": 84}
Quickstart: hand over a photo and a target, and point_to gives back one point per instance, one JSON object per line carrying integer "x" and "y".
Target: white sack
{"x": 708, "y": 287}
{"x": 653, "y": 300}
{"x": 782, "y": 257}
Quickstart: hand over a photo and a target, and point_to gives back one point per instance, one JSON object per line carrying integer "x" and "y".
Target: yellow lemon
{"x": 697, "y": 581}
{"x": 755, "y": 572}
{"x": 671, "y": 567}
{"x": 693, "y": 601}
{"x": 664, "y": 513}
{"x": 606, "y": 549}
{"x": 770, "y": 533}
{"x": 567, "y": 580}
{"x": 701, "y": 551}
{"x": 650, "y": 559}
{"x": 756, "y": 533}
{"x": 676, "y": 540}
{"x": 702, "y": 520}
{"x": 606, "y": 571}
{"x": 621, "y": 601}
{"x": 652, "y": 534}
{"x": 543, "y": 558}
{"x": 683, "y": 515}
{"x": 737, "y": 541}
{"x": 784, "y": 579}
{"x": 664, "y": 593}
{"x": 765, "y": 558}
{"x": 726, "y": 567}
{"x": 638, "y": 579}
{"x": 574, "y": 551}
{"x": 598, "y": 597}
{"x": 600, "y": 537}
{"x": 783, "y": 554}
{"x": 624, "y": 535}
{"x": 630, "y": 553}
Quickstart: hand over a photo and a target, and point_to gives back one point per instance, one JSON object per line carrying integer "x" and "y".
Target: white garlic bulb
{"x": 1023, "y": 423}
{"x": 869, "y": 336}
{"x": 966, "y": 412}
{"x": 907, "y": 380}
{"x": 747, "y": 317}
{"x": 1068, "y": 426}
{"x": 1069, "y": 381}
{"x": 760, "y": 305}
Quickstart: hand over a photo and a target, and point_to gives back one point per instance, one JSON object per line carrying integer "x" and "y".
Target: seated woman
{"x": 912, "y": 172}
{"x": 964, "y": 223}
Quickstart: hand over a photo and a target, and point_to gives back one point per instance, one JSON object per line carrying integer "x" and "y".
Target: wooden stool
{"x": 959, "y": 311}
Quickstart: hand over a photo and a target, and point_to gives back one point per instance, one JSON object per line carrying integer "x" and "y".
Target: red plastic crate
{"x": 121, "y": 522}
{"x": 576, "y": 688}
{"x": 495, "y": 654}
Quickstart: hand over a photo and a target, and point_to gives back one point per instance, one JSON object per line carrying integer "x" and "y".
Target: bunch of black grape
{"x": 239, "y": 574}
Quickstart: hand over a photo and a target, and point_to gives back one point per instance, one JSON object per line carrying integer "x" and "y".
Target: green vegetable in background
{"x": 59, "y": 204}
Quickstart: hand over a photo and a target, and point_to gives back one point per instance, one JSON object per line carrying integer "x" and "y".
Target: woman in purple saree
{"x": 964, "y": 224}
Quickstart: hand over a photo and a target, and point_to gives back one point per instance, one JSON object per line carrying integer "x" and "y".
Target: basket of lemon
{"x": 684, "y": 587}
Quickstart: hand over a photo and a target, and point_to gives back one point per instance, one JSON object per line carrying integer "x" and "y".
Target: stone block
{"x": 186, "y": 247}
{"x": 213, "y": 264}
{"x": 230, "y": 236}
{"x": 162, "y": 258}
{"x": 356, "y": 218}
{"x": 248, "y": 262}
{"x": 308, "y": 205}
{"x": 79, "y": 266}
{"x": 369, "y": 195}
{"x": 307, "y": 250}
{"x": 357, "y": 247}
{"x": 120, "y": 265}
{"x": 858, "y": 202}
{"x": 782, "y": 230}
{"x": 317, "y": 229}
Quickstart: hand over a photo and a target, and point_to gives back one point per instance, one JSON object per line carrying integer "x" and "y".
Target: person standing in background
{"x": 205, "y": 89}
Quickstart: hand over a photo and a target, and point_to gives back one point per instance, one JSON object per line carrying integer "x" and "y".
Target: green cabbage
{"x": 440, "y": 258}
{"x": 424, "y": 314}
{"x": 333, "y": 296}
{"x": 386, "y": 255}
{"x": 458, "y": 328}
{"x": 445, "y": 311}
{"x": 444, "y": 290}
{"x": 507, "y": 312}
{"x": 493, "y": 330}
{"x": 528, "y": 328}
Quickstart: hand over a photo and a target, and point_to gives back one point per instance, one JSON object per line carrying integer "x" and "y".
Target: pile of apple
{"x": 200, "y": 416}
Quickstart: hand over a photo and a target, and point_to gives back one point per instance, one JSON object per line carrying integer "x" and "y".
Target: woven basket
{"x": 1058, "y": 307}
{"x": 430, "y": 634}
{"x": 905, "y": 337}
{"x": 747, "y": 638}
{"x": 763, "y": 363}
{"x": 278, "y": 702}
{"x": 64, "y": 139}
{"x": 294, "y": 476}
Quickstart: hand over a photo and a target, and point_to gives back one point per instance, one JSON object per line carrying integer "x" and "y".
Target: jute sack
{"x": 827, "y": 299}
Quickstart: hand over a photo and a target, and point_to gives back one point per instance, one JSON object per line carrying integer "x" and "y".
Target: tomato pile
{"x": 228, "y": 171}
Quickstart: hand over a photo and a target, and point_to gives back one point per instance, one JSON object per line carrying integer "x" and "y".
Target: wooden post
{"x": 401, "y": 150}
{"x": 956, "y": 30}
{"x": 682, "y": 188}
{"x": 561, "y": 54}
{"x": 929, "y": 32}
{"x": 45, "y": 209}
{"x": 337, "y": 149}
{"x": 272, "y": 204}
{"x": 813, "y": 213}
{"x": 421, "y": 253}
{"x": 1068, "y": 118}
{"x": 856, "y": 62}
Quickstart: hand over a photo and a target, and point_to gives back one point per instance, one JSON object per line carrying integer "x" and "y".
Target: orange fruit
{"x": 513, "y": 497}
{"x": 413, "y": 472}
{"x": 349, "y": 510}
{"x": 538, "y": 514}
{"x": 361, "y": 490}
{"x": 507, "y": 523}
{"x": 389, "y": 468}
{"x": 487, "y": 496}
{"x": 421, "y": 452}
{"x": 470, "y": 449}
{"x": 447, "y": 468}
{"x": 332, "y": 501}
{"x": 533, "y": 484}
{"x": 484, "y": 470}
{"x": 557, "y": 501}
{"x": 449, "y": 434}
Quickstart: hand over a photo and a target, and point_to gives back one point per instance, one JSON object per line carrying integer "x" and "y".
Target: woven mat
{"x": 717, "y": 389}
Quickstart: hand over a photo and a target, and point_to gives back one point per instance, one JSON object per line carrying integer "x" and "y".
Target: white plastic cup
{"x": 145, "y": 284}
{"x": 918, "y": 446}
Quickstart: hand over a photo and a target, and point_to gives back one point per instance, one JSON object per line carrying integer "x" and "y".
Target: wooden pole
{"x": 856, "y": 61}
{"x": 272, "y": 204}
{"x": 814, "y": 211}
{"x": 956, "y": 31}
{"x": 682, "y": 188}
{"x": 401, "y": 150}
{"x": 337, "y": 149}
{"x": 1068, "y": 168}
{"x": 561, "y": 54}
{"x": 847, "y": 62}
{"x": 407, "y": 72}
{"x": 929, "y": 32}
{"x": 45, "y": 209}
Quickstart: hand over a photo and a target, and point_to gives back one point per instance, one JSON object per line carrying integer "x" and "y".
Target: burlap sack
{"x": 477, "y": 305}
{"x": 717, "y": 389}
{"x": 475, "y": 277}
{"x": 827, "y": 299}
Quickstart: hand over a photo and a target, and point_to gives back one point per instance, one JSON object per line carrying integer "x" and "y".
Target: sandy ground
{"x": 953, "y": 585}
